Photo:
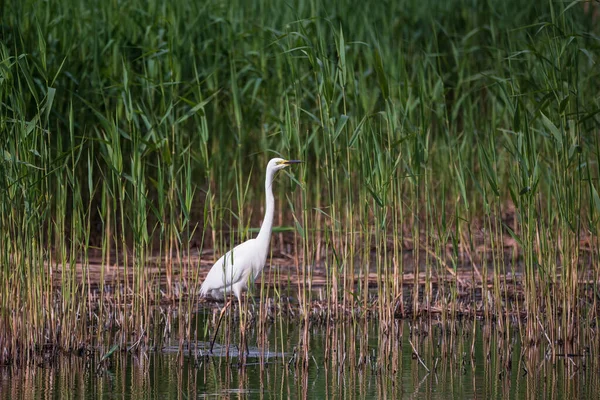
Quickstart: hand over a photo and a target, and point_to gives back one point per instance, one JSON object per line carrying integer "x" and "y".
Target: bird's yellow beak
{"x": 290, "y": 162}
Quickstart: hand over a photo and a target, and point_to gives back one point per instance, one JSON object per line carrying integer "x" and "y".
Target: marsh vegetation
{"x": 451, "y": 169}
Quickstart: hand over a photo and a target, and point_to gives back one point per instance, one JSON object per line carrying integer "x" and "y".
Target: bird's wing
{"x": 233, "y": 267}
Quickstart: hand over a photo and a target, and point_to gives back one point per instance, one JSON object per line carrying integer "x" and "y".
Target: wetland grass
{"x": 451, "y": 171}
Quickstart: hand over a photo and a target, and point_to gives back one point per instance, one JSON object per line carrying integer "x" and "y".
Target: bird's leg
{"x": 212, "y": 343}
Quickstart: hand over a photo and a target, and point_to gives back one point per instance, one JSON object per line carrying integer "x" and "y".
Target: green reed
{"x": 449, "y": 150}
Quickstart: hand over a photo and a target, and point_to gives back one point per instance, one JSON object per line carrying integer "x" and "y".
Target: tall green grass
{"x": 450, "y": 148}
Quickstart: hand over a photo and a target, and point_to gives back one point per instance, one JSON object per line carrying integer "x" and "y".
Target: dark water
{"x": 345, "y": 360}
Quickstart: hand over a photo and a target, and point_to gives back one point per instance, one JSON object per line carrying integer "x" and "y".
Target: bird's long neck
{"x": 264, "y": 235}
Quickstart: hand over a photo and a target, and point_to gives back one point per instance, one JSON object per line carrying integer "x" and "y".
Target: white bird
{"x": 232, "y": 272}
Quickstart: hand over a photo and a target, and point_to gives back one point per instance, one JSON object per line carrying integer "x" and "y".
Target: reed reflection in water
{"x": 423, "y": 359}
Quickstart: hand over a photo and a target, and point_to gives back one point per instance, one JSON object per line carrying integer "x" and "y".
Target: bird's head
{"x": 279, "y": 163}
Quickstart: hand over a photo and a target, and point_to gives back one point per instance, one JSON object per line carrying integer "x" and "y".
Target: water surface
{"x": 344, "y": 360}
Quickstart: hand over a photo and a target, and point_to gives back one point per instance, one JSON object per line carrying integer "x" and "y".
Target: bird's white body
{"x": 232, "y": 272}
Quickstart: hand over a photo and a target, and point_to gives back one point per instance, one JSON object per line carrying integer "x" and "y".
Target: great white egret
{"x": 231, "y": 273}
